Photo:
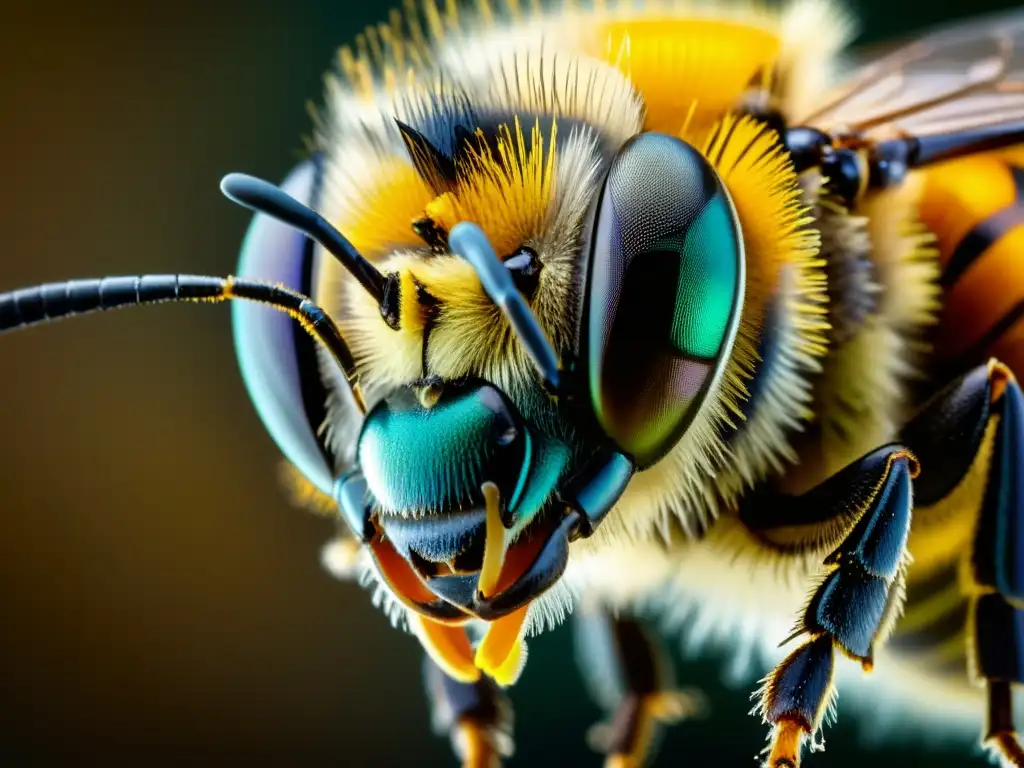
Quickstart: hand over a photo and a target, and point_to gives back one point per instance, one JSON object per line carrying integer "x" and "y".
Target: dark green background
{"x": 161, "y": 602}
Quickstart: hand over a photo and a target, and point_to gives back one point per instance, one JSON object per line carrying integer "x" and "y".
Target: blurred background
{"x": 162, "y": 602}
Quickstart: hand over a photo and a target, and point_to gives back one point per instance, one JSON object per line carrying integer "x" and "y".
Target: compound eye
{"x": 279, "y": 365}
{"x": 664, "y": 288}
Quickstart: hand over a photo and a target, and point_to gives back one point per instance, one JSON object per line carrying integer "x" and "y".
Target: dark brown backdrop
{"x": 161, "y": 602}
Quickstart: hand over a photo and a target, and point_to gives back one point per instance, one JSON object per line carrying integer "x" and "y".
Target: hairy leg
{"x": 630, "y": 676}
{"x": 476, "y": 717}
{"x": 968, "y": 442}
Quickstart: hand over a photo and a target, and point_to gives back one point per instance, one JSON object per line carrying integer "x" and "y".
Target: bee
{"x": 578, "y": 309}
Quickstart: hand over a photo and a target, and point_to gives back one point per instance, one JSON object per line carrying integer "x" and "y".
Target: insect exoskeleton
{"x": 567, "y": 305}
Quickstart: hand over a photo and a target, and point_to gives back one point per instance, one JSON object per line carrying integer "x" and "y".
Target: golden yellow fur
{"x": 544, "y": 204}
{"x": 718, "y": 60}
{"x": 506, "y": 192}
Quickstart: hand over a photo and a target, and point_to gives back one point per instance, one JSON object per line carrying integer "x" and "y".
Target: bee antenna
{"x": 467, "y": 240}
{"x": 53, "y": 301}
{"x": 263, "y": 197}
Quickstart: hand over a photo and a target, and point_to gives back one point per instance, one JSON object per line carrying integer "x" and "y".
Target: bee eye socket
{"x": 665, "y": 282}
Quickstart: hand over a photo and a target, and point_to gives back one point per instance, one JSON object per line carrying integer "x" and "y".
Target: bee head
{"x": 520, "y": 364}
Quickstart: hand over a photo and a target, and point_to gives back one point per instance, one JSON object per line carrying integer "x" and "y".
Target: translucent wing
{"x": 953, "y": 78}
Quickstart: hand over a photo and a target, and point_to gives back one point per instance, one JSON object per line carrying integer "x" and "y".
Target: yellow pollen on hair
{"x": 506, "y": 190}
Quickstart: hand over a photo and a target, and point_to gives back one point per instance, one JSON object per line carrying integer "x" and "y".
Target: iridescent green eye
{"x": 664, "y": 286}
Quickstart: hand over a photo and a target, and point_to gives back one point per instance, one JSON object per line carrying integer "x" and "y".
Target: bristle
{"x": 530, "y": 80}
{"x": 485, "y": 12}
{"x": 507, "y": 193}
{"x": 391, "y": 33}
{"x": 376, "y": 52}
{"x": 782, "y": 257}
{"x": 349, "y": 68}
{"x": 777, "y": 227}
{"x": 365, "y": 63}
{"x": 861, "y": 396}
{"x": 813, "y": 34}
{"x": 451, "y": 15}
{"x": 396, "y": 56}
{"x": 716, "y": 59}
{"x": 434, "y": 21}
{"x": 411, "y": 16}
{"x": 688, "y": 120}
{"x": 907, "y": 258}
{"x": 380, "y": 219}
{"x": 551, "y": 609}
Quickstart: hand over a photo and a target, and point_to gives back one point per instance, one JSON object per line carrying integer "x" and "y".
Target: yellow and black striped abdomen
{"x": 932, "y": 633}
{"x": 975, "y": 208}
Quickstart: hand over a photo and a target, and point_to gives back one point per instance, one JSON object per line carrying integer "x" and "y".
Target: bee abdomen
{"x": 932, "y": 633}
{"x": 975, "y": 208}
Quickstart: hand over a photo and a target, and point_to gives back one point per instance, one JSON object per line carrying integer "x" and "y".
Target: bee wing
{"x": 954, "y": 78}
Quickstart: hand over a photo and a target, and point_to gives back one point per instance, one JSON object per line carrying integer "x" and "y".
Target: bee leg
{"x": 476, "y": 717}
{"x": 866, "y": 507}
{"x": 630, "y": 676}
{"x": 970, "y": 441}
{"x": 1001, "y": 738}
{"x": 977, "y": 446}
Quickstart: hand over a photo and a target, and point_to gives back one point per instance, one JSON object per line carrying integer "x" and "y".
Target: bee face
{"x": 559, "y": 324}
{"x": 625, "y": 247}
{"x": 658, "y": 266}
{"x": 445, "y": 476}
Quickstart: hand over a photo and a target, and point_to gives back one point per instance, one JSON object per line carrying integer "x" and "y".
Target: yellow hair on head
{"x": 356, "y": 72}
{"x": 388, "y": 53}
{"x": 507, "y": 192}
{"x": 760, "y": 178}
{"x": 470, "y": 336}
{"x": 451, "y": 13}
{"x": 676, "y": 62}
{"x": 381, "y": 220}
